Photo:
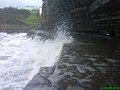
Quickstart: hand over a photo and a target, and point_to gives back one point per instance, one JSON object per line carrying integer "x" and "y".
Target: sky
{"x": 20, "y": 3}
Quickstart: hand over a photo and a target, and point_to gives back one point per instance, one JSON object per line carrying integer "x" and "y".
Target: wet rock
{"x": 96, "y": 4}
{"x": 61, "y": 66}
{"x": 91, "y": 60}
{"x": 85, "y": 75}
{"x": 84, "y": 18}
{"x": 46, "y": 71}
{"x": 74, "y": 88}
{"x": 37, "y": 82}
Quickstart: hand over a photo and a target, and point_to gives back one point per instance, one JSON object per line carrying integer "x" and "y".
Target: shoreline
{"x": 17, "y": 28}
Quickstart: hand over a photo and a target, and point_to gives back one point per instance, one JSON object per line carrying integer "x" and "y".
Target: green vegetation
{"x": 12, "y": 15}
{"x": 15, "y": 17}
{"x": 33, "y": 19}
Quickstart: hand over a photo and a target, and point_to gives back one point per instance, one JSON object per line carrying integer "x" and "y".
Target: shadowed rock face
{"x": 99, "y": 17}
{"x": 80, "y": 67}
{"x": 91, "y": 61}
{"x": 56, "y": 11}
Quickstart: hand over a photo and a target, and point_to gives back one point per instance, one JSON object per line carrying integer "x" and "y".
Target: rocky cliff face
{"x": 56, "y": 11}
{"x": 80, "y": 67}
{"x": 83, "y": 16}
{"x": 92, "y": 64}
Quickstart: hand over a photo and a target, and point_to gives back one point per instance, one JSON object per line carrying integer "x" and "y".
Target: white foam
{"x": 21, "y": 58}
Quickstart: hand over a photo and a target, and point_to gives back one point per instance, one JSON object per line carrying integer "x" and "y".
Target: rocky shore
{"x": 93, "y": 60}
{"x": 17, "y": 28}
{"x": 81, "y": 66}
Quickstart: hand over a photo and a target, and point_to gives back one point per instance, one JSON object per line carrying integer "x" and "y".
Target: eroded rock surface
{"x": 91, "y": 61}
{"x": 81, "y": 66}
{"x": 99, "y": 17}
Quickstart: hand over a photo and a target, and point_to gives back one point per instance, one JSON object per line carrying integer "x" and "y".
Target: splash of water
{"x": 21, "y": 57}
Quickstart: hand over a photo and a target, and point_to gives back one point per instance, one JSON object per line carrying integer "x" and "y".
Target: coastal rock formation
{"x": 101, "y": 17}
{"x": 92, "y": 61}
{"x": 80, "y": 67}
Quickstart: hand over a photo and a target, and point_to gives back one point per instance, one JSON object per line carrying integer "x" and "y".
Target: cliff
{"x": 101, "y": 17}
{"x": 80, "y": 67}
{"x": 92, "y": 61}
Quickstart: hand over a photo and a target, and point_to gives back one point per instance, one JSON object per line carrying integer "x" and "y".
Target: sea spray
{"x": 21, "y": 57}
{"x": 46, "y": 53}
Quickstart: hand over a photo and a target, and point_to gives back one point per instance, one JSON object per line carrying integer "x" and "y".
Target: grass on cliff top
{"x": 33, "y": 19}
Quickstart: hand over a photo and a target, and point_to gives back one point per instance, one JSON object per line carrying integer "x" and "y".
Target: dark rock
{"x": 37, "y": 82}
{"x": 97, "y": 4}
{"x": 61, "y": 66}
{"x": 93, "y": 17}
{"x": 75, "y": 88}
{"x": 46, "y": 71}
{"x": 86, "y": 65}
{"x": 85, "y": 75}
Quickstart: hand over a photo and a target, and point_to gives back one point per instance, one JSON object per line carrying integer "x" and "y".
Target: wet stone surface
{"x": 80, "y": 67}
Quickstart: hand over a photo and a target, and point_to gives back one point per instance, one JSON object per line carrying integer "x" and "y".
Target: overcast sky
{"x": 20, "y": 3}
